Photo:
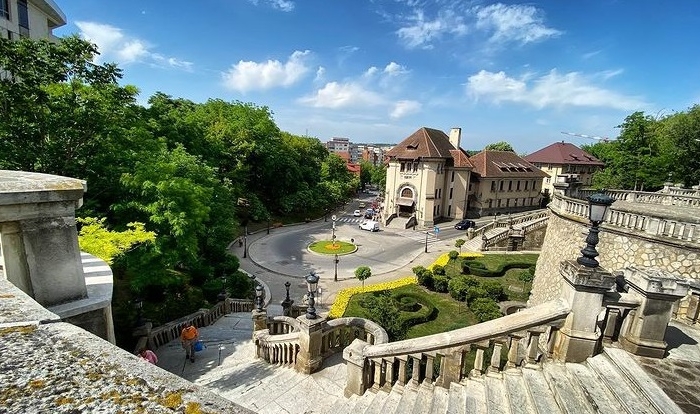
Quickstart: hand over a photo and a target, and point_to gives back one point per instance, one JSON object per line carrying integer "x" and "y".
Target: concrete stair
{"x": 398, "y": 223}
{"x": 608, "y": 383}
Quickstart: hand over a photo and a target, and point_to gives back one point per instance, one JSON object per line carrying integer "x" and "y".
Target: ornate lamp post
{"x": 335, "y": 275}
{"x": 259, "y": 298}
{"x": 311, "y": 284}
{"x": 597, "y": 206}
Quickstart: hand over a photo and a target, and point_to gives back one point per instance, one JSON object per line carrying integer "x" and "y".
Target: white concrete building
{"x": 35, "y": 19}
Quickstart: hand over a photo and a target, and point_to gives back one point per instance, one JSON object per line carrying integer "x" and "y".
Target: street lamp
{"x": 251, "y": 277}
{"x": 334, "y": 218}
{"x": 311, "y": 284}
{"x": 259, "y": 298}
{"x": 426, "y": 241}
{"x": 597, "y": 206}
{"x": 335, "y": 275}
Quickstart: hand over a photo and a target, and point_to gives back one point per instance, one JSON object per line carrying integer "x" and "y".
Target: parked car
{"x": 362, "y": 204}
{"x": 465, "y": 224}
{"x": 369, "y": 213}
{"x": 357, "y": 213}
{"x": 369, "y": 225}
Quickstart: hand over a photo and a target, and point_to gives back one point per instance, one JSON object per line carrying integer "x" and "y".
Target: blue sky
{"x": 375, "y": 71}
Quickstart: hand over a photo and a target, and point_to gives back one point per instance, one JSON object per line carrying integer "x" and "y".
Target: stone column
{"x": 310, "y": 359}
{"x": 259, "y": 320}
{"x": 643, "y": 330}
{"x": 355, "y": 383}
{"x": 583, "y": 289}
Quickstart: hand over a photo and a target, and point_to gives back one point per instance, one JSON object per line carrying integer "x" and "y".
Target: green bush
{"x": 481, "y": 270}
{"x": 475, "y": 292}
{"x": 426, "y": 312}
{"x": 408, "y": 304}
{"x": 441, "y": 283}
{"x": 424, "y": 276}
{"x": 457, "y": 286}
{"x": 438, "y": 270}
{"x": 453, "y": 255}
{"x": 494, "y": 290}
{"x": 485, "y": 309}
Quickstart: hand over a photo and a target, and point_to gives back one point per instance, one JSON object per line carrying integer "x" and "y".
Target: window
{"x": 5, "y": 11}
{"x": 526, "y": 182}
{"x": 449, "y": 210}
{"x": 453, "y": 178}
{"x": 22, "y": 14}
{"x": 510, "y": 185}
{"x": 415, "y": 167}
{"x": 507, "y": 202}
{"x": 518, "y": 186}
{"x": 403, "y": 166}
{"x": 490, "y": 203}
{"x": 501, "y": 187}
{"x": 546, "y": 180}
{"x": 499, "y": 203}
{"x": 450, "y": 196}
{"x": 493, "y": 186}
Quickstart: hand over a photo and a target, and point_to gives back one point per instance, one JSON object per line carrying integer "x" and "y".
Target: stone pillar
{"x": 259, "y": 320}
{"x": 583, "y": 289}
{"x": 287, "y": 307}
{"x": 355, "y": 383}
{"x": 310, "y": 359}
{"x": 644, "y": 328}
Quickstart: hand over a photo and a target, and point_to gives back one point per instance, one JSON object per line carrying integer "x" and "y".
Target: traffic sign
{"x": 333, "y": 217}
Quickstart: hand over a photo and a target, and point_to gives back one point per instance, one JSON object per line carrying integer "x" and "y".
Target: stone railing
{"x": 282, "y": 325}
{"x": 442, "y": 358}
{"x": 683, "y": 199}
{"x": 672, "y": 228}
{"x": 282, "y": 349}
{"x": 339, "y": 333}
{"x": 527, "y": 222}
{"x": 156, "y": 337}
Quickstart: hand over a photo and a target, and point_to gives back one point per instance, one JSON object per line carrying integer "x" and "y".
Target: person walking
{"x": 188, "y": 338}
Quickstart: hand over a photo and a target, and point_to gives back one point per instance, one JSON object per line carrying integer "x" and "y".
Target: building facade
{"x": 427, "y": 177}
{"x": 35, "y": 19}
{"x": 504, "y": 183}
{"x": 563, "y": 158}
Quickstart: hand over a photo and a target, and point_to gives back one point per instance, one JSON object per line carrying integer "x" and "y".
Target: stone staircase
{"x": 474, "y": 245}
{"x": 611, "y": 382}
{"x": 398, "y": 223}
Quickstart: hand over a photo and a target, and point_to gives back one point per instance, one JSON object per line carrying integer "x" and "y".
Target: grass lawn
{"x": 514, "y": 288}
{"x": 451, "y": 314}
{"x": 328, "y": 247}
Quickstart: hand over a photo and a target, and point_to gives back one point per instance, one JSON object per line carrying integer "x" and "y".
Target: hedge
{"x": 426, "y": 313}
{"x": 500, "y": 271}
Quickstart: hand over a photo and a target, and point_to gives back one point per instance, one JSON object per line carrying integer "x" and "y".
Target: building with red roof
{"x": 563, "y": 158}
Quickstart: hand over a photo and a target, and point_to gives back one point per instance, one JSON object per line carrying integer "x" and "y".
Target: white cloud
{"x": 517, "y": 22}
{"x": 404, "y": 108}
{"x": 247, "y": 75}
{"x": 550, "y": 90}
{"x": 320, "y": 74}
{"x": 342, "y": 95}
{"x": 422, "y": 32}
{"x": 371, "y": 72}
{"x": 283, "y": 5}
{"x": 394, "y": 69}
{"x": 114, "y": 45}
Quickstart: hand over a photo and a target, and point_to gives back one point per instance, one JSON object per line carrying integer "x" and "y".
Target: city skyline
{"x": 375, "y": 71}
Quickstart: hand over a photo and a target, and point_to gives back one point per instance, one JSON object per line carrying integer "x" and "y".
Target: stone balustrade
{"x": 678, "y": 197}
{"x": 442, "y": 358}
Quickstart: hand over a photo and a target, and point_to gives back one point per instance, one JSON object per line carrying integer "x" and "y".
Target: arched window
{"x": 406, "y": 193}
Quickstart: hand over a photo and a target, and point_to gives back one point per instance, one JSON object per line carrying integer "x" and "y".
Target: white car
{"x": 369, "y": 225}
{"x": 357, "y": 213}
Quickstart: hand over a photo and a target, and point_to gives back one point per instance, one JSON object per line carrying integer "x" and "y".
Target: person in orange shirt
{"x": 188, "y": 338}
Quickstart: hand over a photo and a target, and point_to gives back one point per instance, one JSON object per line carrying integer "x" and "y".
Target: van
{"x": 369, "y": 225}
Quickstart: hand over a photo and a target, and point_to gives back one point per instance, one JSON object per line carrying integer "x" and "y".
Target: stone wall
{"x": 618, "y": 248}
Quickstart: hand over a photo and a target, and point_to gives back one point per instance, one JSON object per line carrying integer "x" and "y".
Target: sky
{"x": 375, "y": 71}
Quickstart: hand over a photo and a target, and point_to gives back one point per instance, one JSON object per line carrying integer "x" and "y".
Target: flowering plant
{"x": 445, "y": 258}
{"x": 343, "y": 297}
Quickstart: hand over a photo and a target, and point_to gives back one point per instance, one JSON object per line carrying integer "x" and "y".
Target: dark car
{"x": 465, "y": 224}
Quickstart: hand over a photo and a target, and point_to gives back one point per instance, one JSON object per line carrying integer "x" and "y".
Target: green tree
{"x": 363, "y": 273}
{"x": 459, "y": 243}
{"x": 96, "y": 239}
{"x": 382, "y": 309}
{"x": 485, "y": 309}
{"x": 499, "y": 146}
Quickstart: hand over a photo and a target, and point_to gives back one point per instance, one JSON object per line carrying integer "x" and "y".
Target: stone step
{"x": 567, "y": 393}
{"x": 378, "y": 403}
{"x": 475, "y": 396}
{"x": 540, "y": 394}
{"x": 392, "y": 400}
{"x": 595, "y": 389}
{"x": 646, "y": 385}
{"x": 627, "y": 394}
{"x": 496, "y": 395}
{"x": 407, "y": 400}
{"x": 424, "y": 399}
{"x": 456, "y": 399}
{"x": 440, "y": 399}
{"x": 364, "y": 402}
{"x": 518, "y": 397}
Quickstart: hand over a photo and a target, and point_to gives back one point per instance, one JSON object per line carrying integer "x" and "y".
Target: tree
{"x": 362, "y": 273}
{"x": 499, "y": 146}
{"x": 382, "y": 309}
{"x": 96, "y": 239}
{"x": 459, "y": 243}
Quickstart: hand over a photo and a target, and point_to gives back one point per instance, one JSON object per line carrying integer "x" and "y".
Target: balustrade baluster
{"x": 378, "y": 378}
{"x": 513, "y": 351}
{"x": 532, "y": 347}
{"x": 478, "y": 363}
{"x": 415, "y": 376}
{"x": 402, "y": 377}
{"x": 429, "y": 368}
{"x": 495, "y": 365}
{"x": 389, "y": 373}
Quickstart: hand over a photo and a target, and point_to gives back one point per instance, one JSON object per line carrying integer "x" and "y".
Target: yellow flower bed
{"x": 343, "y": 297}
{"x": 445, "y": 258}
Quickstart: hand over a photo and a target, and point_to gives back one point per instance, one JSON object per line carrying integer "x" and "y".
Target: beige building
{"x": 35, "y": 19}
{"x": 504, "y": 183}
{"x": 563, "y": 158}
{"x": 427, "y": 178}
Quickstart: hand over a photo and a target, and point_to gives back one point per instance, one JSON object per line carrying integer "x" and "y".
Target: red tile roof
{"x": 504, "y": 164}
{"x": 563, "y": 153}
{"x": 429, "y": 143}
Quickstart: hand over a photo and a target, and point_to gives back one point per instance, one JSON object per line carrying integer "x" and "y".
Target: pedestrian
{"x": 149, "y": 356}
{"x": 188, "y": 338}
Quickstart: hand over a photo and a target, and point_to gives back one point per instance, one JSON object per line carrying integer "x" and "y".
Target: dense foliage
{"x": 651, "y": 150}
{"x": 165, "y": 181}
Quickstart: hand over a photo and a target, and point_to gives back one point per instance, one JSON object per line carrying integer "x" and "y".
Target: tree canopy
{"x": 499, "y": 146}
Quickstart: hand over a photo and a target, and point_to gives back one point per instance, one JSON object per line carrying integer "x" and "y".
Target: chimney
{"x": 455, "y": 136}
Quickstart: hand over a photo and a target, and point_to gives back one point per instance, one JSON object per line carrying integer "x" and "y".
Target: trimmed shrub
{"x": 485, "y": 309}
{"x": 441, "y": 283}
{"x": 458, "y": 288}
{"x": 424, "y": 276}
{"x": 481, "y": 270}
{"x": 439, "y": 270}
{"x": 426, "y": 310}
{"x": 408, "y": 304}
{"x": 453, "y": 255}
{"x": 475, "y": 292}
{"x": 494, "y": 290}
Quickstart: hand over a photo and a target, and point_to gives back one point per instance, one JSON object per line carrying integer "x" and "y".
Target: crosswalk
{"x": 419, "y": 236}
{"x": 350, "y": 220}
